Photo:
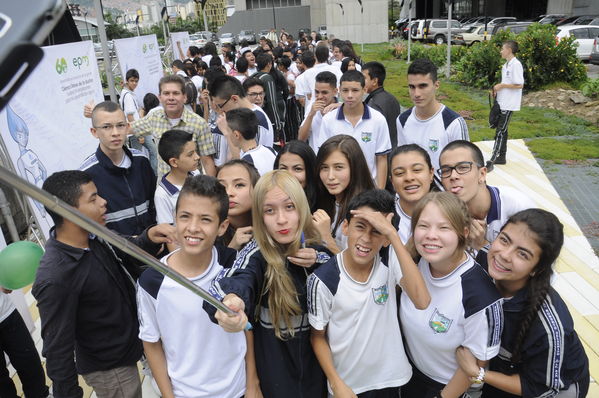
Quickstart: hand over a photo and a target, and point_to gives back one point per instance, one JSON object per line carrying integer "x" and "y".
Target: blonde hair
{"x": 283, "y": 300}
{"x": 453, "y": 208}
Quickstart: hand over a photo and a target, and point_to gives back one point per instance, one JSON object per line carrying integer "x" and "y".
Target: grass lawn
{"x": 574, "y": 138}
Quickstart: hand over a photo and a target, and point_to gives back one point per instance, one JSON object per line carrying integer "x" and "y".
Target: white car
{"x": 474, "y": 35}
{"x": 198, "y": 39}
{"x": 585, "y": 38}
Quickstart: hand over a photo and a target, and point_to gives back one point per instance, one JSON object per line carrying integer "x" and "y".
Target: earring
{"x": 533, "y": 273}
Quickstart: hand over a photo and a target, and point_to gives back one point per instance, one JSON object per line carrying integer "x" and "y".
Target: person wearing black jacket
{"x": 85, "y": 292}
{"x": 379, "y": 99}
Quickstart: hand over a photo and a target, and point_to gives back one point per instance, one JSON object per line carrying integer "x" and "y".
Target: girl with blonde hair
{"x": 268, "y": 282}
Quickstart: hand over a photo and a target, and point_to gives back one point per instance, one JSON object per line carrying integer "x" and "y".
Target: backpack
{"x": 191, "y": 92}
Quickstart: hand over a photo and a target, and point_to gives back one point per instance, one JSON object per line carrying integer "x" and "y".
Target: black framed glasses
{"x": 221, "y": 106}
{"x": 255, "y": 95}
{"x": 460, "y": 168}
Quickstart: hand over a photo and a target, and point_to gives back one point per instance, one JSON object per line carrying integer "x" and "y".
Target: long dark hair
{"x": 304, "y": 151}
{"x": 548, "y": 233}
{"x": 361, "y": 179}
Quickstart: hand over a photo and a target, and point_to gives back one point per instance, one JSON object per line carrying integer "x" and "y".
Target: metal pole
{"x": 274, "y": 15}
{"x": 8, "y": 219}
{"x": 409, "y": 30}
{"x": 485, "y": 4}
{"x": 104, "y": 40}
{"x": 58, "y": 206}
{"x": 87, "y": 26}
{"x": 449, "y": 9}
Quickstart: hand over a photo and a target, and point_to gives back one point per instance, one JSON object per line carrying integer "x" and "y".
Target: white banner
{"x": 141, "y": 53}
{"x": 43, "y": 126}
{"x": 180, "y": 44}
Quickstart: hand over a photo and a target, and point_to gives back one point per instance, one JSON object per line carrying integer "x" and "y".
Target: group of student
{"x": 365, "y": 268}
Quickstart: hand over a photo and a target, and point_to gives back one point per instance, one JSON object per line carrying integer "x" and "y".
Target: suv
{"x": 436, "y": 31}
{"x": 247, "y": 35}
{"x": 417, "y": 29}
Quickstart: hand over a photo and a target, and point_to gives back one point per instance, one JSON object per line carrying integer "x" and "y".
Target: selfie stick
{"x": 56, "y": 205}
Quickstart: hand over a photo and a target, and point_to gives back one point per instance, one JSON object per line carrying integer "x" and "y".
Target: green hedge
{"x": 436, "y": 53}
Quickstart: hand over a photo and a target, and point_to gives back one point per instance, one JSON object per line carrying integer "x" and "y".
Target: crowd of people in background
{"x": 360, "y": 241}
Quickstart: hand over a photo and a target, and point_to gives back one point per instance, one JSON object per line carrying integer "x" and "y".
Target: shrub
{"x": 437, "y": 54}
{"x": 591, "y": 88}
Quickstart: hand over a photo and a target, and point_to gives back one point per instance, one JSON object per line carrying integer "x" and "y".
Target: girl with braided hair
{"x": 541, "y": 354}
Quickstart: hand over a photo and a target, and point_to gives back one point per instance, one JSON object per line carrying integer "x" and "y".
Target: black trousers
{"x": 500, "y": 146}
{"x": 16, "y": 342}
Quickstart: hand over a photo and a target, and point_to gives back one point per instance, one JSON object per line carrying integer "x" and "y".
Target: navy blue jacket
{"x": 128, "y": 191}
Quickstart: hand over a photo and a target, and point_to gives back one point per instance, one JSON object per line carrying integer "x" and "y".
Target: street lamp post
{"x": 87, "y": 26}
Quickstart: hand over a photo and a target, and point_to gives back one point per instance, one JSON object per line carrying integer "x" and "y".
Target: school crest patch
{"x": 380, "y": 294}
{"x": 433, "y": 145}
{"x": 439, "y": 322}
{"x": 366, "y": 136}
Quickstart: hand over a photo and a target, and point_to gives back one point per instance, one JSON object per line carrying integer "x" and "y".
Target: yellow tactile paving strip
{"x": 577, "y": 278}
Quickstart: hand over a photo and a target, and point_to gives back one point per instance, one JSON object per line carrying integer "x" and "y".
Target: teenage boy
{"x": 463, "y": 173}
{"x": 429, "y": 123}
{"x": 211, "y": 362}
{"x": 302, "y": 90}
{"x": 363, "y": 123}
{"x": 85, "y": 294}
{"x": 175, "y": 116}
{"x": 254, "y": 91}
{"x": 509, "y": 97}
{"x": 353, "y": 308}
{"x": 124, "y": 177}
{"x": 274, "y": 104}
{"x": 178, "y": 150}
{"x": 325, "y": 92}
{"x": 379, "y": 99}
{"x": 242, "y": 128}
{"x": 321, "y": 53}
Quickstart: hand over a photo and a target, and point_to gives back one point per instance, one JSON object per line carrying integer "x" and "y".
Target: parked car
{"x": 262, "y": 33}
{"x": 594, "y": 58}
{"x": 405, "y": 32}
{"x": 585, "y": 38}
{"x": 594, "y": 22}
{"x": 247, "y": 35}
{"x": 436, "y": 31}
{"x": 322, "y": 30}
{"x": 501, "y": 20}
{"x": 476, "y": 21}
{"x": 198, "y": 39}
{"x": 227, "y": 38}
{"x": 515, "y": 27}
{"x": 474, "y": 35}
{"x": 417, "y": 30}
{"x": 211, "y": 36}
{"x": 549, "y": 18}
{"x": 577, "y": 20}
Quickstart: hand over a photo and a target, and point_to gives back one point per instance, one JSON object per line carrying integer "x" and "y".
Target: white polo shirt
{"x": 371, "y": 132}
{"x": 315, "y": 140}
{"x": 361, "y": 324}
{"x": 310, "y": 80}
{"x": 263, "y": 158}
{"x": 266, "y": 133}
{"x": 511, "y": 73}
{"x": 505, "y": 202}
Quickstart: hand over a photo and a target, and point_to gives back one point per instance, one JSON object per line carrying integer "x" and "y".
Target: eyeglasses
{"x": 108, "y": 127}
{"x": 254, "y": 95}
{"x": 221, "y": 106}
{"x": 460, "y": 168}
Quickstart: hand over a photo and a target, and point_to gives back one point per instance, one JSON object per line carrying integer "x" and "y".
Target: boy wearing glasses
{"x": 463, "y": 173}
{"x": 123, "y": 176}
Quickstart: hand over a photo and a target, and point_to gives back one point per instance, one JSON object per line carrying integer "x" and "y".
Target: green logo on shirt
{"x": 380, "y": 294}
{"x": 439, "y": 322}
{"x": 366, "y": 136}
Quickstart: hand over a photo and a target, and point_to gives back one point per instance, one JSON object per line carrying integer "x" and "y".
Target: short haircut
{"x": 215, "y": 61}
{"x": 263, "y": 60}
{"x": 105, "y": 106}
{"x": 132, "y": 73}
{"x": 513, "y": 45}
{"x": 251, "y": 82}
{"x": 328, "y": 78}
{"x": 308, "y": 58}
{"x": 321, "y": 53}
{"x": 225, "y": 86}
{"x": 285, "y": 62}
{"x": 171, "y": 79}
{"x": 377, "y": 199}
{"x": 375, "y": 70}
{"x": 200, "y": 64}
{"x": 207, "y": 187}
{"x": 171, "y": 144}
{"x": 193, "y": 51}
{"x": 477, "y": 154}
{"x": 66, "y": 186}
{"x": 346, "y": 50}
{"x": 177, "y": 64}
{"x": 353, "y": 76}
{"x": 243, "y": 120}
{"x": 213, "y": 73}
{"x": 241, "y": 65}
{"x": 423, "y": 66}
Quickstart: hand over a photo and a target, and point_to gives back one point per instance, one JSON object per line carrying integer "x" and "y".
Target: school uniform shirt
{"x": 404, "y": 229}
{"x": 552, "y": 356}
{"x": 315, "y": 140}
{"x": 221, "y": 147}
{"x": 302, "y": 90}
{"x": 509, "y": 99}
{"x": 202, "y": 359}
{"x": 432, "y": 134}
{"x": 310, "y": 80}
{"x": 165, "y": 199}
{"x": 505, "y": 202}
{"x": 266, "y": 133}
{"x": 261, "y": 157}
{"x": 129, "y": 103}
{"x": 286, "y": 368}
{"x": 465, "y": 310}
{"x": 371, "y": 132}
{"x": 361, "y": 324}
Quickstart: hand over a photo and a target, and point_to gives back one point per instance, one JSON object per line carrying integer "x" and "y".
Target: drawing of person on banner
{"x": 28, "y": 164}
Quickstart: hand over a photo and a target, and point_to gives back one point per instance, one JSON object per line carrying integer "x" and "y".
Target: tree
{"x": 115, "y": 30}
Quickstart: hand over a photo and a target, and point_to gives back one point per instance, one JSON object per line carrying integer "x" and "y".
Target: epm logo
{"x": 78, "y": 62}
{"x": 145, "y": 48}
{"x": 61, "y": 65}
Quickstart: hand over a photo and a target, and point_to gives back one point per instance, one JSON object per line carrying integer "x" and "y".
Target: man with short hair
{"x": 428, "y": 123}
{"x": 274, "y": 104}
{"x": 175, "y": 116}
{"x": 509, "y": 96}
{"x": 254, "y": 91}
{"x": 379, "y": 99}
{"x": 322, "y": 57}
{"x": 305, "y": 62}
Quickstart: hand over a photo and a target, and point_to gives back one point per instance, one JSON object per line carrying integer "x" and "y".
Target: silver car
{"x": 227, "y": 38}
{"x": 247, "y": 35}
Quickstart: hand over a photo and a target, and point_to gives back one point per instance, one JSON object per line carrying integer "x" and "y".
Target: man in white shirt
{"x": 322, "y": 57}
{"x": 509, "y": 97}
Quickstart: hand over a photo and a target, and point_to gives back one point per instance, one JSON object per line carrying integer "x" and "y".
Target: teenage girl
{"x": 541, "y": 354}
{"x": 411, "y": 174}
{"x": 238, "y": 177}
{"x": 343, "y": 173}
{"x": 465, "y": 307}
{"x": 269, "y": 283}
{"x": 299, "y": 159}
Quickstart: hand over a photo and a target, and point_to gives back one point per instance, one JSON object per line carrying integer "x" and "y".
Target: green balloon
{"x": 18, "y": 263}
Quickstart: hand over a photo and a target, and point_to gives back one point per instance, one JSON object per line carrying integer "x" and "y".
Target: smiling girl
{"x": 270, "y": 284}
{"x": 465, "y": 307}
{"x": 541, "y": 354}
{"x": 299, "y": 159}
